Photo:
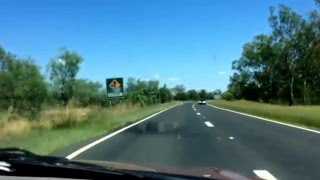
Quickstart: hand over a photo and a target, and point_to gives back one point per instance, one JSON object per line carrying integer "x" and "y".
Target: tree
{"x": 283, "y": 66}
{"x": 203, "y": 94}
{"x": 217, "y": 92}
{"x": 193, "y": 95}
{"x": 209, "y": 95}
{"x": 63, "y": 70}
{"x": 286, "y": 24}
{"x": 179, "y": 89}
{"x": 22, "y": 87}
{"x": 165, "y": 94}
{"x": 143, "y": 92}
{"x": 87, "y": 92}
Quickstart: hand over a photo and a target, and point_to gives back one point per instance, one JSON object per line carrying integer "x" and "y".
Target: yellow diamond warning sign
{"x": 114, "y": 84}
{"x": 114, "y": 87}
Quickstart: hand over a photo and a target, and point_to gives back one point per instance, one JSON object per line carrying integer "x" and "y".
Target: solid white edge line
{"x": 81, "y": 150}
{"x": 264, "y": 174}
{"x": 209, "y": 124}
{"x": 265, "y": 119}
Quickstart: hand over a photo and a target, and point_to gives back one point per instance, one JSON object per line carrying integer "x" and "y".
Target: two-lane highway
{"x": 192, "y": 135}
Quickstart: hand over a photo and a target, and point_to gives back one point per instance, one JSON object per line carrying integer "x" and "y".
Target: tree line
{"x": 25, "y": 91}
{"x": 180, "y": 93}
{"x": 283, "y": 66}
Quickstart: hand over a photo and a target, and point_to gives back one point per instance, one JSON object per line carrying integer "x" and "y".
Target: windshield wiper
{"x": 21, "y": 155}
{"x": 19, "y": 162}
{"x": 15, "y": 161}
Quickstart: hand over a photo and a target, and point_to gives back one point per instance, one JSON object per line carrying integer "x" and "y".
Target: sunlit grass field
{"x": 303, "y": 115}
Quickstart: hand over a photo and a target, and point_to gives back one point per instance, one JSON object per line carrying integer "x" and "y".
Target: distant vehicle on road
{"x": 202, "y": 102}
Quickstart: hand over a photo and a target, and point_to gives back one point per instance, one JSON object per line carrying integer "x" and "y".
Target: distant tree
{"x": 165, "y": 94}
{"x": 203, "y": 94}
{"x": 179, "y": 89}
{"x": 63, "y": 70}
{"x": 87, "y": 92}
{"x": 182, "y": 96}
{"x": 217, "y": 92}
{"x": 209, "y": 95}
{"x": 193, "y": 95}
{"x": 227, "y": 96}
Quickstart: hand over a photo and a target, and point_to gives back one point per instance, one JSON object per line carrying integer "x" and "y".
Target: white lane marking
{"x": 231, "y": 137}
{"x": 264, "y": 174}
{"x": 198, "y": 114}
{"x": 178, "y": 136}
{"x": 194, "y": 109}
{"x": 265, "y": 119}
{"x": 81, "y": 150}
{"x": 209, "y": 124}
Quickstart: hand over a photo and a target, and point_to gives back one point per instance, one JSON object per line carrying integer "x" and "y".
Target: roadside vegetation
{"x": 43, "y": 114}
{"x": 282, "y": 67}
{"x": 302, "y": 115}
{"x": 66, "y": 128}
{"x": 278, "y": 74}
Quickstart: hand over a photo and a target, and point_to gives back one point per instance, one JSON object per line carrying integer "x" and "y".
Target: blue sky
{"x": 190, "y": 42}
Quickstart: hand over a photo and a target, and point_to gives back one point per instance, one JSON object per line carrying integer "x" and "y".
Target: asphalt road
{"x": 192, "y": 135}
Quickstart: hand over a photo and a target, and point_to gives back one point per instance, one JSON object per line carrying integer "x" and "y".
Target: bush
{"x": 227, "y": 96}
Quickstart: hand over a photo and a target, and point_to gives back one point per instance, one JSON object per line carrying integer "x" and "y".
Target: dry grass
{"x": 15, "y": 128}
{"x": 94, "y": 121}
{"x": 62, "y": 117}
{"x": 50, "y": 119}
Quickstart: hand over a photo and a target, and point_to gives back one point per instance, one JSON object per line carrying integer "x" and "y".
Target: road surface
{"x": 192, "y": 135}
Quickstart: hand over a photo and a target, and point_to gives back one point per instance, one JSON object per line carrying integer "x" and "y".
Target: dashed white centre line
{"x": 209, "y": 124}
{"x": 264, "y": 174}
{"x": 231, "y": 137}
{"x": 198, "y": 114}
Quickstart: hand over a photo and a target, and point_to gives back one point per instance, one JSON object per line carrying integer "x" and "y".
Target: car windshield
{"x": 175, "y": 86}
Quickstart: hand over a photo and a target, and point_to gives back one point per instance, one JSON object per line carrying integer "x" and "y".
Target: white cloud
{"x": 221, "y": 73}
{"x": 156, "y": 76}
{"x": 173, "y": 78}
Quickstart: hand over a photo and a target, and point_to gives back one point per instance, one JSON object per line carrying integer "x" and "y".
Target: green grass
{"x": 303, "y": 115}
{"x": 3, "y": 116}
{"x": 100, "y": 121}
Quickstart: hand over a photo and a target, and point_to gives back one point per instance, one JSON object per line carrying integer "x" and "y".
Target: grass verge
{"x": 303, "y": 115}
{"x": 44, "y": 140}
